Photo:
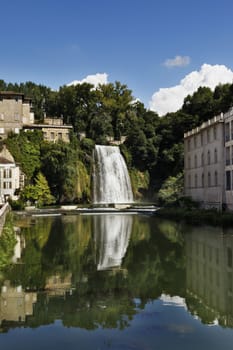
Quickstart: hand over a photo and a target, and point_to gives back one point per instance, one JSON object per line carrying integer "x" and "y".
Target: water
{"x": 111, "y": 178}
{"x": 117, "y": 281}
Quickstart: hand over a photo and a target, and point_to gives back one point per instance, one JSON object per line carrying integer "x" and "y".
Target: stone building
{"x": 53, "y": 129}
{"x": 228, "y": 121}
{"x": 15, "y": 111}
{"x": 204, "y": 163}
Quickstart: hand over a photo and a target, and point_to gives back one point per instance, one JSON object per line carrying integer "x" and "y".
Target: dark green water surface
{"x": 117, "y": 281}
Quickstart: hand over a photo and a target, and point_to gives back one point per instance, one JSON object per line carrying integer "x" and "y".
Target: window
{"x": 216, "y": 178}
{"x": 189, "y": 163}
{"x": 196, "y": 180}
{"x": 215, "y": 155}
{"x": 209, "y": 180}
{"x": 7, "y": 185}
{"x": 202, "y": 159}
{"x": 215, "y": 133}
{"x": 52, "y": 136}
{"x": 59, "y": 136}
{"x": 227, "y": 155}
{"x": 7, "y": 173}
{"x": 195, "y": 161}
{"x": 232, "y": 129}
{"x": 189, "y": 146}
{"x": 208, "y": 136}
{"x": 1, "y": 116}
{"x": 228, "y": 180}
{"x": 189, "y": 181}
{"x": 202, "y": 180}
{"x": 208, "y": 157}
{"x": 227, "y": 132}
{"x": 201, "y": 139}
{"x": 195, "y": 141}
{"x": 16, "y": 116}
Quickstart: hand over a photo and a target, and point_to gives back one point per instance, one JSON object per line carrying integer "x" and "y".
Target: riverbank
{"x": 197, "y": 216}
{"x": 74, "y": 210}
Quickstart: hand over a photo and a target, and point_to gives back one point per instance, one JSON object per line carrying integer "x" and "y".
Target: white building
{"x": 9, "y": 176}
{"x": 204, "y": 163}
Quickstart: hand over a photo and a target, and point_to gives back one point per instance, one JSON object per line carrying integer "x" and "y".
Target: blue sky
{"x": 147, "y": 44}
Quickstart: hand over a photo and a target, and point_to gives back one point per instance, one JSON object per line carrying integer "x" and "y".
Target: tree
{"x": 39, "y": 192}
{"x": 171, "y": 189}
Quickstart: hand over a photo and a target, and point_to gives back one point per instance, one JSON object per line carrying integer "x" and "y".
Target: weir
{"x": 111, "y": 181}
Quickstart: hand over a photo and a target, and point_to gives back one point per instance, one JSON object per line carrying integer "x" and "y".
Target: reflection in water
{"x": 19, "y": 246}
{"x": 209, "y": 275}
{"x": 15, "y": 303}
{"x": 112, "y": 233}
{"x": 63, "y": 274}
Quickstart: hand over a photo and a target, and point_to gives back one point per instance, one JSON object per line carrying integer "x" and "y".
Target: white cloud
{"x": 94, "y": 79}
{"x": 171, "y": 99}
{"x": 178, "y": 61}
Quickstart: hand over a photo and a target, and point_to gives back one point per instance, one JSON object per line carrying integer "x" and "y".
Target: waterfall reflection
{"x": 112, "y": 233}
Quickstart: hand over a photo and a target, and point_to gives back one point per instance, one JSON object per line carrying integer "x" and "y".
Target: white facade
{"x": 228, "y": 119}
{"x": 204, "y": 163}
{"x": 9, "y": 176}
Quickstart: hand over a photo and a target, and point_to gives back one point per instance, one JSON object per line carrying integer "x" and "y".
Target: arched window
{"x": 209, "y": 180}
{"x": 195, "y": 180}
{"x": 208, "y": 136}
{"x": 216, "y": 178}
{"x": 195, "y": 161}
{"x": 202, "y": 180}
{"x": 189, "y": 162}
{"x": 215, "y": 132}
{"x": 202, "y": 159}
{"x": 208, "y": 157}
{"x": 215, "y": 155}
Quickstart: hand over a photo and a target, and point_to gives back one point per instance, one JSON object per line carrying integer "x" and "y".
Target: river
{"x": 117, "y": 281}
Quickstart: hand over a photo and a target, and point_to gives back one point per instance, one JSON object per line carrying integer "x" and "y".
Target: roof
{"x": 14, "y": 94}
{"x": 5, "y": 161}
{"x": 6, "y": 157}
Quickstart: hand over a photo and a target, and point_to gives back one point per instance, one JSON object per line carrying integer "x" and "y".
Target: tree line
{"x": 153, "y": 148}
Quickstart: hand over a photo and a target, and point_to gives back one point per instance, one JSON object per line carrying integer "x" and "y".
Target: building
{"x": 204, "y": 152}
{"x": 209, "y": 273}
{"x": 16, "y": 114}
{"x": 53, "y": 129}
{"x": 9, "y": 176}
{"x": 228, "y": 121}
{"x": 15, "y": 304}
{"x": 15, "y": 111}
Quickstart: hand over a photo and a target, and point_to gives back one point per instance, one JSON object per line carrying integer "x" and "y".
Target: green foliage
{"x": 39, "y": 192}
{"x": 140, "y": 183}
{"x": 59, "y": 165}
{"x": 25, "y": 148}
{"x": 83, "y": 183}
{"x": 171, "y": 189}
{"x": 7, "y": 242}
{"x": 153, "y": 144}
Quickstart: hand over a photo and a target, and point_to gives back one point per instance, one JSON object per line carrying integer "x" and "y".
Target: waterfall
{"x": 111, "y": 182}
{"x": 112, "y": 234}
